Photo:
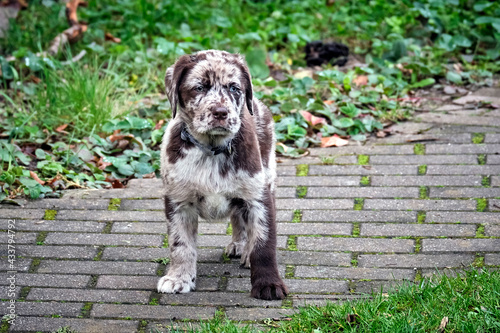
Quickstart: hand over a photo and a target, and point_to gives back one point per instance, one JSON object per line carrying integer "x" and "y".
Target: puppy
{"x": 218, "y": 160}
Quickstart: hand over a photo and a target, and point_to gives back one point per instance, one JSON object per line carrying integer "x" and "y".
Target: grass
{"x": 470, "y": 302}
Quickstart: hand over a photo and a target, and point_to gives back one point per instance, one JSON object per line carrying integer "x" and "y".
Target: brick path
{"x": 343, "y": 230}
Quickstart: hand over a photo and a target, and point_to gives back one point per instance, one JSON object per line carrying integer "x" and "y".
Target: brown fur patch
{"x": 176, "y": 145}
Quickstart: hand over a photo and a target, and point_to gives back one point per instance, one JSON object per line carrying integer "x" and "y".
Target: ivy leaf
{"x": 453, "y": 77}
{"x": 125, "y": 169}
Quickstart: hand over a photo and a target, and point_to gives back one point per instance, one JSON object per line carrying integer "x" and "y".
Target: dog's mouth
{"x": 218, "y": 130}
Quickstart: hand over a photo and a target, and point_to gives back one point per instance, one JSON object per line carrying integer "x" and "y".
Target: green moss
{"x": 301, "y": 192}
{"x": 418, "y": 276}
{"x": 229, "y": 230}
{"x": 328, "y": 160}
{"x": 481, "y": 159}
{"x": 423, "y": 192}
{"x": 358, "y": 203}
{"x": 482, "y": 204}
{"x": 114, "y": 204}
{"x": 421, "y": 217}
{"x": 480, "y": 231}
{"x": 289, "y": 271}
{"x": 363, "y": 159}
{"x": 419, "y": 149}
{"x": 486, "y": 181}
{"x": 165, "y": 242}
{"x": 297, "y": 216}
{"x": 418, "y": 244}
{"x": 163, "y": 261}
{"x": 365, "y": 181}
{"x": 291, "y": 243}
{"x": 50, "y": 214}
{"x": 354, "y": 260}
{"x": 478, "y": 261}
{"x": 355, "y": 229}
{"x": 302, "y": 170}
{"x": 422, "y": 169}
{"x": 478, "y": 138}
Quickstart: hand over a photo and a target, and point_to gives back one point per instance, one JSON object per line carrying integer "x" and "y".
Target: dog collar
{"x": 207, "y": 149}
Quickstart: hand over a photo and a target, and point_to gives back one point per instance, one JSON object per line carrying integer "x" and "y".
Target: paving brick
{"x": 432, "y": 230}
{"x": 354, "y": 273}
{"x": 314, "y": 228}
{"x": 66, "y": 252}
{"x": 55, "y": 225}
{"x": 358, "y": 216}
{"x": 45, "y": 309}
{"x": 38, "y": 324}
{"x": 437, "y": 272}
{"x": 145, "y": 183}
{"x": 297, "y": 286}
{"x": 368, "y": 287}
{"x": 103, "y": 239}
{"x": 6, "y": 293}
{"x": 364, "y": 192}
{"x": 463, "y": 149}
{"x": 493, "y": 159}
{"x": 367, "y": 150}
{"x": 450, "y": 129}
{"x": 231, "y": 269}
{"x": 97, "y": 267}
{"x": 314, "y": 204}
{"x": 314, "y": 258}
{"x": 425, "y": 137}
{"x": 214, "y": 299}
{"x": 111, "y": 215}
{"x": 464, "y": 192}
{"x": 480, "y": 96}
{"x": 494, "y": 204}
{"x": 88, "y": 295}
{"x": 19, "y": 238}
{"x": 161, "y": 227}
{"x": 169, "y": 326}
{"x": 355, "y": 244}
{"x": 495, "y": 181}
{"x": 337, "y": 159}
{"x": 151, "y": 204}
{"x": 13, "y": 213}
{"x": 20, "y": 265}
{"x": 462, "y": 217}
{"x": 301, "y": 300}
{"x": 441, "y": 118}
{"x": 284, "y": 215}
{"x": 460, "y": 245}
{"x": 319, "y": 181}
{"x": 286, "y": 170}
{"x": 426, "y": 180}
{"x": 258, "y": 313}
{"x": 492, "y": 230}
{"x": 414, "y": 260}
{"x": 286, "y": 192}
{"x": 223, "y": 241}
{"x": 148, "y": 282}
{"x": 48, "y": 280}
{"x": 405, "y": 204}
{"x": 326, "y": 170}
{"x": 151, "y": 311}
{"x": 147, "y": 253}
{"x": 492, "y": 259}
{"x": 462, "y": 169}
{"x": 122, "y": 193}
{"x": 492, "y": 138}
{"x": 57, "y": 204}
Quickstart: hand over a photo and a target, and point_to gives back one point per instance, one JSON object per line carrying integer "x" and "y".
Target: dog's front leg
{"x": 182, "y": 231}
{"x": 261, "y": 246}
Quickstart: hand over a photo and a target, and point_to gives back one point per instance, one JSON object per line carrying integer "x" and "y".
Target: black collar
{"x": 207, "y": 149}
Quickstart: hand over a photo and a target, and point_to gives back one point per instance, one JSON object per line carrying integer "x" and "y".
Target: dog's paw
{"x": 245, "y": 259}
{"x": 269, "y": 289}
{"x": 174, "y": 285}
{"x": 235, "y": 249}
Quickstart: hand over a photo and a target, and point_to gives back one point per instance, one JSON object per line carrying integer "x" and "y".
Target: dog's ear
{"x": 173, "y": 79}
{"x": 247, "y": 80}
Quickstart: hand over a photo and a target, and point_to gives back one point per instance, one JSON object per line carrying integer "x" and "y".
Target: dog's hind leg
{"x": 237, "y": 245}
{"x": 182, "y": 231}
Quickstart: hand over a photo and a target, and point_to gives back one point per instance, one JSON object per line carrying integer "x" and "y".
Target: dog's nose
{"x": 220, "y": 113}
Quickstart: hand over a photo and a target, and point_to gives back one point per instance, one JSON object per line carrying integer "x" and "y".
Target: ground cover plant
{"x": 469, "y": 302}
{"x": 97, "y": 121}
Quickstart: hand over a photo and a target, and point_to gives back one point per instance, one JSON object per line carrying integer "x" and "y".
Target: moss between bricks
{"x": 480, "y": 231}
{"x": 481, "y": 159}
{"x": 423, "y": 192}
{"x": 358, "y": 203}
{"x": 363, "y": 159}
{"x": 302, "y": 170}
{"x": 327, "y": 160}
{"x": 478, "y": 261}
{"x": 422, "y": 169}
{"x": 477, "y": 138}
{"x": 486, "y": 181}
{"x": 482, "y": 204}
{"x": 50, "y": 214}
{"x": 229, "y": 230}
{"x": 418, "y": 244}
{"x": 421, "y": 217}
{"x": 289, "y": 271}
{"x": 365, "y": 181}
{"x": 297, "y": 216}
{"x": 301, "y": 192}
{"x": 419, "y": 149}
{"x": 114, "y": 203}
{"x": 291, "y": 243}
{"x": 355, "y": 229}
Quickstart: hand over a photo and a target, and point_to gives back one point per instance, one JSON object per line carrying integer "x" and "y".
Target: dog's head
{"x": 210, "y": 90}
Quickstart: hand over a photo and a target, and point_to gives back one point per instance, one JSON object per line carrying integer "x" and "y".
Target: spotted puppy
{"x": 217, "y": 161}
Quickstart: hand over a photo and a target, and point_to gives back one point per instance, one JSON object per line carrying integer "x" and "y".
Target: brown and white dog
{"x": 218, "y": 160}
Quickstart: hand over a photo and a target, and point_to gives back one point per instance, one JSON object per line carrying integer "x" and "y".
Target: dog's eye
{"x": 233, "y": 89}
{"x": 199, "y": 88}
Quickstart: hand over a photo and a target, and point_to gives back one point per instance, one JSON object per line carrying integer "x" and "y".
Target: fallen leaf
{"x": 360, "y": 80}
{"x": 101, "y": 164}
{"x": 381, "y": 134}
{"x": 149, "y": 175}
{"x": 35, "y": 177}
{"x": 110, "y": 37}
{"x": 367, "y": 167}
{"x": 61, "y": 129}
{"x": 307, "y": 115}
{"x": 334, "y": 140}
{"x": 317, "y": 120}
{"x": 122, "y": 144}
{"x": 53, "y": 180}
{"x": 115, "y": 183}
{"x": 328, "y": 102}
{"x": 159, "y": 124}
{"x": 443, "y": 324}
{"x": 115, "y": 137}
{"x": 351, "y": 318}
{"x": 34, "y": 79}
{"x": 40, "y": 222}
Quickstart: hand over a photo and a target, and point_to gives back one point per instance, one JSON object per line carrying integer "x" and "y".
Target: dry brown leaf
{"x": 35, "y": 177}
{"x": 351, "y": 318}
{"x": 61, "y": 128}
{"x": 443, "y": 324}
{"x": 328, "y": 102}
{"x": 110, "y": 37}
{"x": 360, "y": 80}
{"x": 334, "y": 140}
{"x": 381, "y": 134}
{"x": 115, "y": 137}
{"x": 159, "y": 124}
{"x": 149, "y": 175}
